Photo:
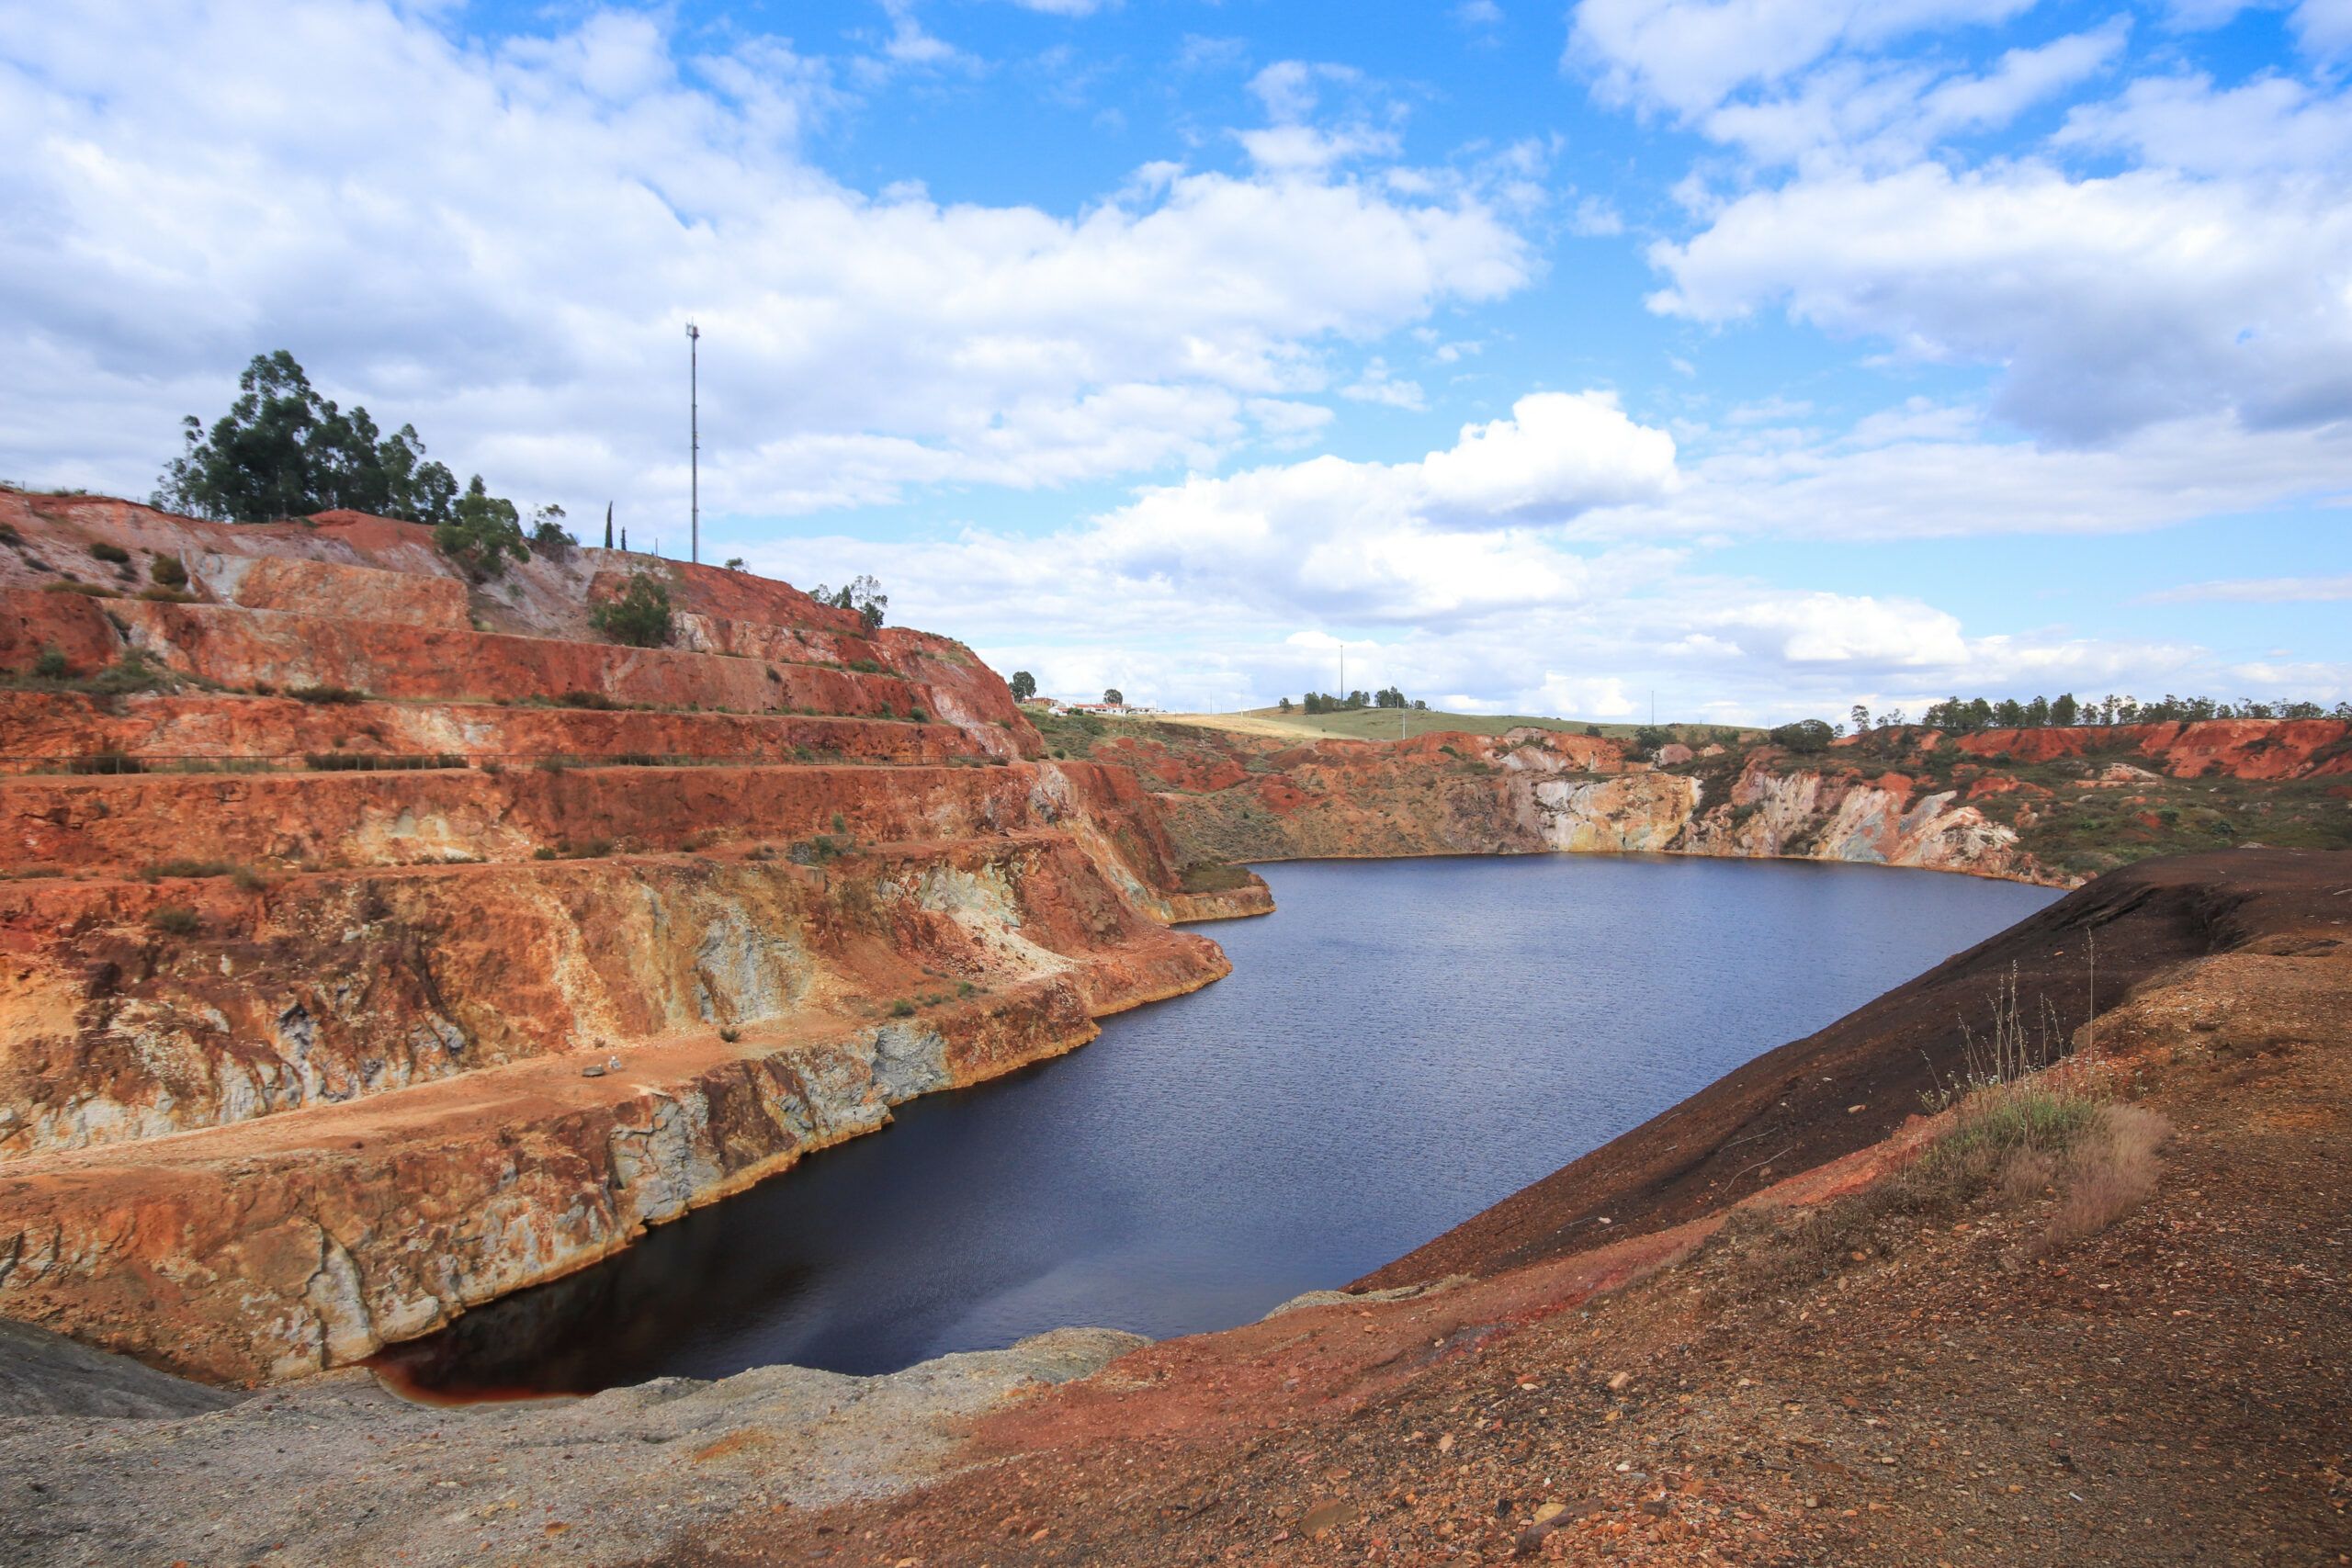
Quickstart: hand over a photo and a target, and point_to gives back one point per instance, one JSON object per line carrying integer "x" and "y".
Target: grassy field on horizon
{"x": 1387, "y": 724}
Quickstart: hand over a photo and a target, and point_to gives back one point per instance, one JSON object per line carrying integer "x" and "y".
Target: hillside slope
{"x": 380, "y": 942}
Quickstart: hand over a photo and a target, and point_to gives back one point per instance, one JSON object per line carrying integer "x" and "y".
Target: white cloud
{"x": 1922, "y": 471}
{"x": 2109, "y": 304}
{"x": 1584, "y": 696}
{"x": 2269, "y": 124}
{"x": 1690, "y": 55}
{"x": 1379, "y": 385}
{"x": 2258, "y": 590}
{"x": 1557, "y": 456}
{"x": 1595, "y": 218}
{"x": 1854, "y": 112}
{"x": 502, "y": 243}
{"x": 1292, "y": 91}
{"x": 2323, "y": 28}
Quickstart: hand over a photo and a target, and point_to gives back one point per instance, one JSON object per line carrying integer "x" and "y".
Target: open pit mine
{"x": 380, "y": 943}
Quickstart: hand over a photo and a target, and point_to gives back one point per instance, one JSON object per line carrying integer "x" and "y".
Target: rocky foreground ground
{"x": 1820, "y": 1363}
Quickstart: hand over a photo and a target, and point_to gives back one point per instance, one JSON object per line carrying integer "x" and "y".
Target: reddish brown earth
{"x": 295, "y": 1062}
{"x": 1699, "y": 1382}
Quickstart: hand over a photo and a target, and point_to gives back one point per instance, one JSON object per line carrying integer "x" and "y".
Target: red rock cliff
{"x": 378, "y": 943}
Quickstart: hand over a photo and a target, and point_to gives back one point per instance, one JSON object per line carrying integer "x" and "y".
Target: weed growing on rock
{"x": 175, "y": 919}
{"x": 193, "y": 868}
{"x": 328, "y": 695}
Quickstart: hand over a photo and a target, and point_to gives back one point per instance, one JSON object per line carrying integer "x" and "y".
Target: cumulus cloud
{"x": 1926, "y": 471}
{"x": 2109, "y": 303}
{"x": 503, "y": 243}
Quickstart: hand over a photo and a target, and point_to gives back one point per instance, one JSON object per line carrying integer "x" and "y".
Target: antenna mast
{"x": 694, "y": 436}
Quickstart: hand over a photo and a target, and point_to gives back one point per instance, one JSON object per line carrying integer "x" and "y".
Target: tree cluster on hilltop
{"x": 283, "y": 451}
{"x": 863, "y": 593}
{"x": 1960, "y": 715}
{"x": 1387, "y": 697}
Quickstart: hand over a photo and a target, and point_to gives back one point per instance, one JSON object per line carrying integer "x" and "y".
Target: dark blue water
{"x": 1401, "y": 1044}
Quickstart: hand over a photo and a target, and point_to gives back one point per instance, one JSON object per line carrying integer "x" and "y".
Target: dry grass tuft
{"x": 2109, "y": 1171}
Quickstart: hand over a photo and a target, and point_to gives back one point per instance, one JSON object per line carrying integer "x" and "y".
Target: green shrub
{"x": 50, "y": 663}
{"x": 166, "y": 596}
{"x": 374, "y": 762}
{"x": 484, "y": 535}
{"x": 331, "y": 695}
{"x": 131, "y": 673}
{"x": 168, "y": 571}
{"x": 730, "y": 1034}
{"x": 640, "y": 616}
{"x": 918, "y": 716}
{"x": 175, "y": 919}
{"x": 192, "y": 869}
{"x": 902, "y": 1008}
{"x": 113, "y": 554}
{"x": 87, "y": 590}
{"x": 1805, "y": 737}
{"x": 587, "y": 699}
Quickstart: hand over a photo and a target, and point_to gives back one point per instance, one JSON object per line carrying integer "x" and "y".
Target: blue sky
{"x": 1769, "y": 355}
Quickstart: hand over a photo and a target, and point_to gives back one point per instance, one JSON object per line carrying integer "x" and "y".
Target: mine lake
{"x": 1402, "y": 1044}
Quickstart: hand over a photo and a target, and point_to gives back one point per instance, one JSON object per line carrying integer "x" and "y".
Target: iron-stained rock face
{"x": 649, "y": 924}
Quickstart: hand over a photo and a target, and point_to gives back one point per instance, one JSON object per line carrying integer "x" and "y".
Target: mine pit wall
{"x": 1415, "y": 807}
{"x": 328, "y": 987}
{"x": 311, "y": 1237}
{"x": 126, "y": 824}
{"x": 387, "y": 1044}
{"x": 327, "y": 1254}
{"x": 180, "y": 730}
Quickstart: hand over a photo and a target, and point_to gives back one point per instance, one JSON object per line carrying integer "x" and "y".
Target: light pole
{"x": 694, "y": 438}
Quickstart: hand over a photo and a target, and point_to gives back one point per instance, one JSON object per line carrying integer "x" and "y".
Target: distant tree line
{"x": 1387, "y": 697}
{"x": 1960, "y": 715}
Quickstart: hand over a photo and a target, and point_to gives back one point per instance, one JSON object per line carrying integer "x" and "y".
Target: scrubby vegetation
{"x": 175, "y": 919}
{"x": 640, "y": 617}
{"x": 862, "y": 593}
